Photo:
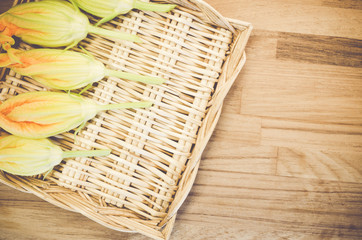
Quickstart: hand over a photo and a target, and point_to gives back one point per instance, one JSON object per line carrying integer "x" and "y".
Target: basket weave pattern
{"x": 155, "y": 151}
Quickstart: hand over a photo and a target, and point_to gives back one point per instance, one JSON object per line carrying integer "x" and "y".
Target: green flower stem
{"x": 114, "y": 34}
{"x": 156, "y": 7}
{"x": 124, "y": 105}
{"x": 86, "y": 153}
{"x": 134, "y": 77}
{"x": 106, "y": 19}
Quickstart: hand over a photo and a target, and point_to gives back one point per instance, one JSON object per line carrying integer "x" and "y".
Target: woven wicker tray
{"x": 155, "y": 152}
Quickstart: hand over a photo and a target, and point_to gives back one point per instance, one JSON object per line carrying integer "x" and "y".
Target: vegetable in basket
{"x": 109, "y": 9}
{"x": 51, "y": 23}
{"x": 43, "y": 114}
{"x": 28, "y": 157}
{"x": 65, "y": 70}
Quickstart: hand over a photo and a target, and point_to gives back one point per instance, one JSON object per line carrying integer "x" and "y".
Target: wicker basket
{"x": 155, "y": 152}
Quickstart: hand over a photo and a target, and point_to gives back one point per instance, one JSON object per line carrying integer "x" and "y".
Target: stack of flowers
{"x": 34, "y": 116}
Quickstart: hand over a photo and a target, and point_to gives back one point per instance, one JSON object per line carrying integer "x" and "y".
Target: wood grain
{"x": 319, "y": 164}
{"x": 353, "y": 4}
{"x": 302, "y": 91}
{"x": 285, "y": 161}
{"x": 320, "y": 49}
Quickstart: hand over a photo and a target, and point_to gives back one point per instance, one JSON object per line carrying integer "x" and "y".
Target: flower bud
{"x": 51, "y": 24}
{"x": 112, "y": 8}
{"x": 64, "y": 70}
{"x": 28, "y": 157}
{"x": 44, "y": 114}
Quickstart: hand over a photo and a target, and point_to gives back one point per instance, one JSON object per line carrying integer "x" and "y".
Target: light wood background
{"x": 285, "y": 161}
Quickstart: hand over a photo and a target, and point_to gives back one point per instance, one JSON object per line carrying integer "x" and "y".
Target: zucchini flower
{"x": 64, "y": 70}
{"x": 109, "y": 9}
{"x": 43, "y": 114}
{"x": 51, "y": 23}
{"x": 28, "y": 157}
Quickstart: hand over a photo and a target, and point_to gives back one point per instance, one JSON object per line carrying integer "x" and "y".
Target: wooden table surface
{"x": 285, "y": 161}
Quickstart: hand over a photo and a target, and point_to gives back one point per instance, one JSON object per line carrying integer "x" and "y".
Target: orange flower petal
{"x": 24, "y": 128}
